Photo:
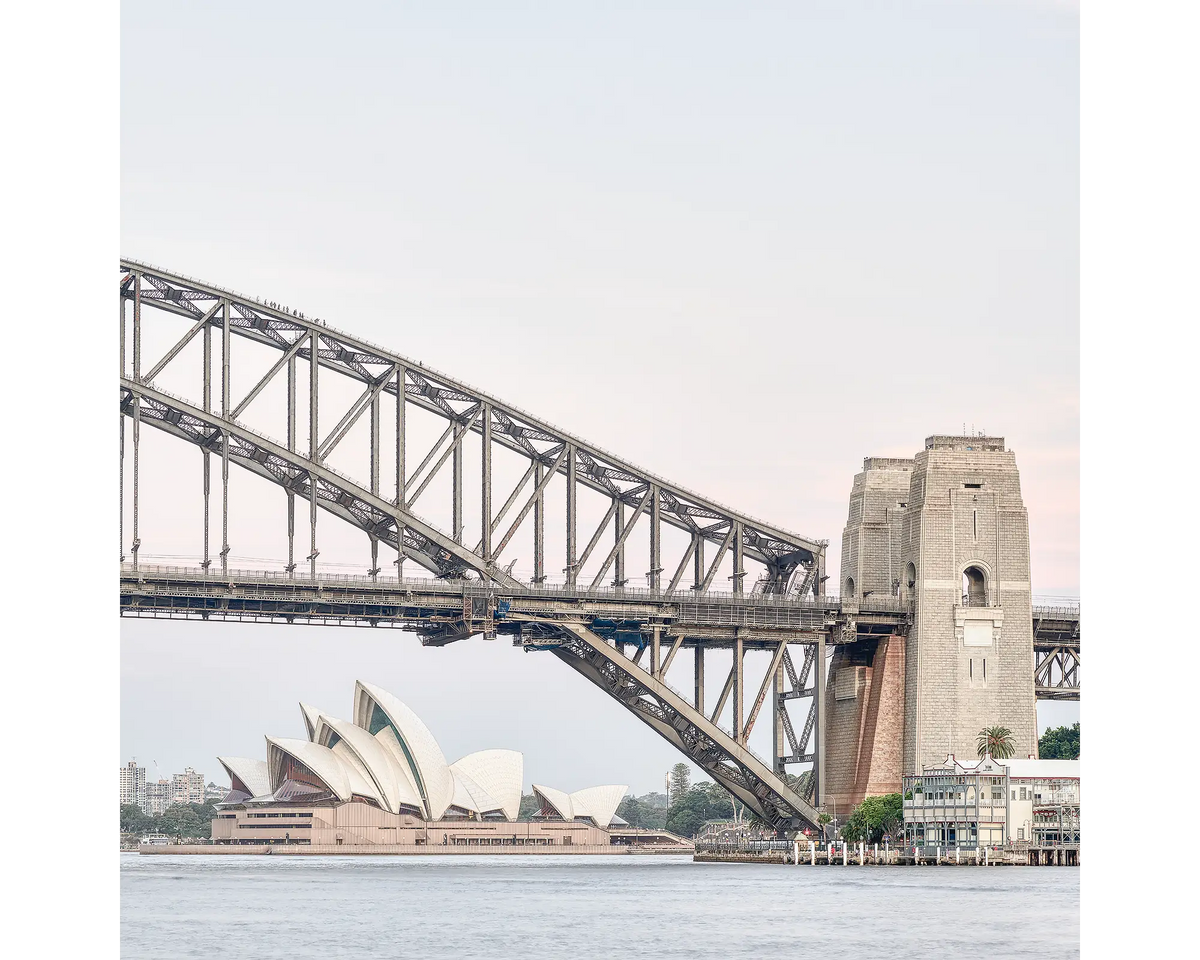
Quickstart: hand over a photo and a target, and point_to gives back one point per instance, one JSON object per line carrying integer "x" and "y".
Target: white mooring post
{"x": 877, "y": 854}
{"x": 796, "y": 852}
{"x": 938, "y": 857}
{"x": 985, "y": 856}
{"x": 862, "y": 853}
{"x": 845, "y": 854}
{"x": 812, "y": 849}
{"x": 958, "y": 854}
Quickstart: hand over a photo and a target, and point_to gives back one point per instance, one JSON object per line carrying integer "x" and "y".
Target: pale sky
{"x": 744, "y": 246}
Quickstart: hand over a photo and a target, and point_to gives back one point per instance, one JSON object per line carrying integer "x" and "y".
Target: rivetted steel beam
{"x": 739, "y": 686}
{"x": 619, "y": 542}
{"x": 683, "y": 562}
{"x": 655, "y": 573}
{"x": 183, "y": 342}
{"x": 539, "y": 522}
{"x": 612, "y": 554}
{"x": 725, "y": 690}
{"x": 572, "y": 515}
{"x": 675, "y": 645}
{"x": 286, "y": 359}
{"x": 512, "y": 498}
{"x": 459, "y": 432}
{"x": 400, "y": 466}
{"x": 225, "y": 413}
{"x": 204, "y": 450}
{"x": 535, "y": 499}
{"x": 137, "y": 412}
{"x": 771, "y": 676}
{"x": 485, "y": 504}
{"x": 739, "y": 562}
{"x": 291, "y": 444}
{"x": 433, "y": 452}
{"x": 368, "y": 400}
{"x": 587, "y": 551}
{"x": 712, "y": 570}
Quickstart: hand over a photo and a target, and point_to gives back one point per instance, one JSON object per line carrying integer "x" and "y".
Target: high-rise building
{"x": 158, "y": 797}
{"x": 133, "y": 784}
{"x": 187, "y": 787}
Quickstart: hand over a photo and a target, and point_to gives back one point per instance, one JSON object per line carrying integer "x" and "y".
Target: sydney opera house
{"x": 383, "y": 779}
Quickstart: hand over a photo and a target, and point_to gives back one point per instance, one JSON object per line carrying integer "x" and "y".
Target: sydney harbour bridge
{"x": 717, "y": 582}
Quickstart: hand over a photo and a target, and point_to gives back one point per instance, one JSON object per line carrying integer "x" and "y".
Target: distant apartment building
{"x": 187, "y": 787}
{"x": 133, "y": 784}
{"x": 159, "y": 796}
{"x": 214, "y": 793}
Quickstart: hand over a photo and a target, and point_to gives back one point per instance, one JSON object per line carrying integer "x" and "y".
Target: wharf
{"x": 398, "y": 850}
{"x": 841, "y": 854}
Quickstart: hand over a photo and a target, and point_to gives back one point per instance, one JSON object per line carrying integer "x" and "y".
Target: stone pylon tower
{"x": 947, "y": 534}
{"x": 969, "y": 657}
{"x": 865, "y": 694}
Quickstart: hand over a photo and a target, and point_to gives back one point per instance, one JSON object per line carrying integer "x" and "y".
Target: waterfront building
{"x": 992, "y": 802}
{"x": 187, "y": 787}
{"x": 383, "y": 779}
{"x": 214, "y": 792}
{"x": 133, "y": 784}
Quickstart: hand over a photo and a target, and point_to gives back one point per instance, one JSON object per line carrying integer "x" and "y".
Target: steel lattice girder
{"x": 336, "y": 493}
{"x": 780, "y": 551}
{"x": 726, "y": 760}
{"x": 1056, "y": 672}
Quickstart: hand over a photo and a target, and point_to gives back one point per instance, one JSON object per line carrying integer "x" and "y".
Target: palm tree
{"x": 998, "y": 741}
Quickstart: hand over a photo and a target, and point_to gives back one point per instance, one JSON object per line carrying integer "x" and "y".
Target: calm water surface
{"x": 430, "y": 908}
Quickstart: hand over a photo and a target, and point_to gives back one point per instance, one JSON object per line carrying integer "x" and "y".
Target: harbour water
{"x": 430, "y": 908}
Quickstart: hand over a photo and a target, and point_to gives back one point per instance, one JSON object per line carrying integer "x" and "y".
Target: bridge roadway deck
{"x": 462, "y": 607}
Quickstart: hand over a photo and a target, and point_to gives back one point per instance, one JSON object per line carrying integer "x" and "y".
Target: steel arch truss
{"x": 789, "y": 564}
{"x": 642, "y": 689}
{"x": 1056, "y": 672}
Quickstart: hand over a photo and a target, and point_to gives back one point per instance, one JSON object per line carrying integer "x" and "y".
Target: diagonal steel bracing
{"x": 722, "y": 756}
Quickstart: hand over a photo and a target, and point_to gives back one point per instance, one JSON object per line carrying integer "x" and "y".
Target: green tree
{"x": 1060, "y": 743}
{"x": 681, "y": 781}
{"x": 998, "y": 741}
{"x": 529, "y": 807}
{"x": 685, "y": 822}
{"x": 135, "y": 820}
{"x": 180, "y": 820}
{"x": 632, "y": 812}
{"x": 874, "y": 817}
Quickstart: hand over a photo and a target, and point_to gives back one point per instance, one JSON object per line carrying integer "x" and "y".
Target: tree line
{"x": 178, "y": 820}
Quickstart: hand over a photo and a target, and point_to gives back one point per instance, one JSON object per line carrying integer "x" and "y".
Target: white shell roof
{"x": 498, "y": 772}
{"x": 393, "y": 786}
{"x": 559, "y": 801}
{"x": 599, "y": 803}
{"x": 468, "y": 795}
{"x": 418, "y": 747}
{"x": 252, "y": 773}
{"x": 311, "y": 715}
{"x": 320, "y": 760}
